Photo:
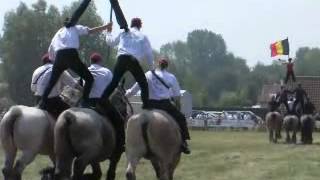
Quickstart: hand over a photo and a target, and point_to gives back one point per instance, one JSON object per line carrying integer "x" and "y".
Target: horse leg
{"x": 131, "y": 169}
{"x": 63, "y": 167}
{"x": 271, "y": 136}
{"x": 96, "y": 170}
{"x": 26, "y": 158}
{"x": 10, "y": 155}
{"x": 115, "y": 158}
{"x": 288, "y": 136}
{"x": 164, "y": 171}
{"x": 156, "y": 166}
{"x": 174, "y": 166}
{"x": 79, "y": 166}
{"x": 294, "y": 137}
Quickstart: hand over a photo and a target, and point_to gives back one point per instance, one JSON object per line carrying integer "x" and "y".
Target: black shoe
{"x": 42, "y": 105}
{"x": 85, "y": 104}
{"x": 185, "y": 148}
{"x": 146, "y": 106}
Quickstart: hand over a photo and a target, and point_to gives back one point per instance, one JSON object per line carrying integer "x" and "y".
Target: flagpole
{"x": 109, "y": 48}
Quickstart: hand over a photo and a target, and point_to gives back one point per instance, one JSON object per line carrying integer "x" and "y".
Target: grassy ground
{"x": 229, "y": 156}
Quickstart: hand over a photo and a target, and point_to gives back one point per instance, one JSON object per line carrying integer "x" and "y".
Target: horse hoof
{"x": 130, "y": 176}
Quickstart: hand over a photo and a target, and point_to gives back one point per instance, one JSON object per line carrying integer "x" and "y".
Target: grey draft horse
{"x": 291, "y": 123}
{"x": 274, "y": 121}
{"x": 30, "y": 130}
{"x": 89, "y": 138}
{"x": 153, "y": 135}
{"x": 307, "y": 122}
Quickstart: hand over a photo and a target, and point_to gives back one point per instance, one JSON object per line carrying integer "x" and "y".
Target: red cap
{"x": 45, "y": 58}
{"x": 136, "y": 22}
{"x": 163, "y": 61}
{"x": 95, "y": 58}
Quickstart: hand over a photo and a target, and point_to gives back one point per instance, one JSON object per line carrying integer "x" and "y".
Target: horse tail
{"x": 63, "y": 141}
{"x": 7, "y": 128}
{"x": 144, "y": 129}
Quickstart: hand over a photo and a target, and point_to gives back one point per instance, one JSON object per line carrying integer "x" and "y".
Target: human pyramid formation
{"x": 295, "y": 97}
{"x": 157, "y": 86}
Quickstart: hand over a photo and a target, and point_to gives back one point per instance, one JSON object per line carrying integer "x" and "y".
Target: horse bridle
{"x": 120, "y": 93}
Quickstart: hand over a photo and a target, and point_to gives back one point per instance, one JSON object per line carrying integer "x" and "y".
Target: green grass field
{"x": 228, "y": 156}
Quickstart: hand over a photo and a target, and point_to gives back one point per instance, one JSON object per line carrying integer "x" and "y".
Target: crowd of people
{"x": 157, "y": 86}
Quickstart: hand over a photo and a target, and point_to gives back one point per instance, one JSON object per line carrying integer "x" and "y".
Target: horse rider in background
{"x": 102, "y": 77}
{"x": 64, "y": 51}
{"x": 40, "y": 79}
{"x": 133, "y": 48}
{"x": 162, "y": 87}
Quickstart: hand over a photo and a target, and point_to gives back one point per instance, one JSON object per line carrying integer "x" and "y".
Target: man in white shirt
{"x": 40, "y": 79}
{"x": 162, "y": 87}
{"x": 63, "y": 50}
{"x": 102, "y": 77}
{"x": 133, "y": 47}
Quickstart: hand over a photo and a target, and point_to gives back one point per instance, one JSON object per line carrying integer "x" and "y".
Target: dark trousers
{"x": 69, "y": 58}
{"x": 119, "y": 14}
{"x": 285, "y": 102}
{"x": 175, "y": 113}
{"x": 296, "y": 102}
{"x": 128, "y": 63}
{"x": 55, "y": 106}
{"x": 290, "y": 74}
{"x": 107, "y": 109}
{"x": 78, "y": 13}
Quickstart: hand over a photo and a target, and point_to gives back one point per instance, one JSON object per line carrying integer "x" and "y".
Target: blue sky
{"x": 248, "y": 26}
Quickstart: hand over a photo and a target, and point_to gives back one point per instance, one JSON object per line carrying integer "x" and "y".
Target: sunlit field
{"x": 228, "y": 156}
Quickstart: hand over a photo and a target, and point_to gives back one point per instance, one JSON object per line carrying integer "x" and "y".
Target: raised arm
{"x": 149, "y": 53}
{"x": 133, "y": 90}
{"x": 97, "y": 29}
{"x": 111, "y": 41}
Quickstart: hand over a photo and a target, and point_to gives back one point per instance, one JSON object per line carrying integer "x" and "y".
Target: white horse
{"x": 153, "y": 135}
{"x": 30, "y": 130}
{"x": 87, "y": 137}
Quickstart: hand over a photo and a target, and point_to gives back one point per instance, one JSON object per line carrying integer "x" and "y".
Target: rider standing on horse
{"x": 162, "y": 87}
{"x": 290, "y": 71}
{"x": 282, "y": 98}
{"x": 64, "y": 51}
{"x": 300, "y": 96}
{"x": 40, "y": 79}
{"x": 133, "y": 47}
{"x": 102, "y": 78}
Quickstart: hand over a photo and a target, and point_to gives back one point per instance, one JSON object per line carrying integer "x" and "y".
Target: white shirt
{"x": 41, "y": 77}
{"x": 133, "y": 43}
{"x": 157, "y": 91}
{"x": 102, "y": 78}
{"x": 67, "y": 38}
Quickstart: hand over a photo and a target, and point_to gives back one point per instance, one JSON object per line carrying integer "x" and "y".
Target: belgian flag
{"x": 280, "y": 48}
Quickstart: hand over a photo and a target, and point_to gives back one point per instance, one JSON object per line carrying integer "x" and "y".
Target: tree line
{"x": 203, "y": 65}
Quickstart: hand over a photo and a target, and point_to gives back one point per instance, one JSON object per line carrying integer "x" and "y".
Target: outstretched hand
{"x": 109, "y": 27}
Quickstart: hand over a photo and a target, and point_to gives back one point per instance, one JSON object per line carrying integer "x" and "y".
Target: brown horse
{"x": 89, "y": 138}
{"x": 156, "y": 136}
